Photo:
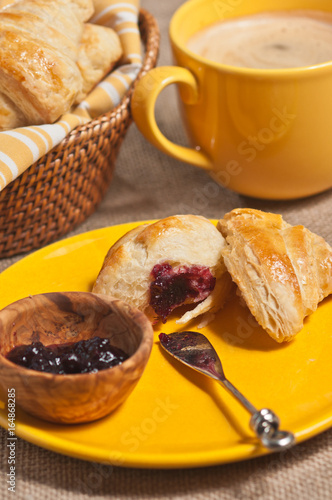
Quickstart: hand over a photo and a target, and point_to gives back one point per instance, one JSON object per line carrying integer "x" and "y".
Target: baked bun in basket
{"x": 46, "y": 48}
{"x": 99, "y": 50}
{"x": 160, "y": 266}
{"x": 282, "y": 271}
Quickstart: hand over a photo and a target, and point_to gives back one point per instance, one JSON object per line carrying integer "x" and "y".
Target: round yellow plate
{"x": 176, "y": 417}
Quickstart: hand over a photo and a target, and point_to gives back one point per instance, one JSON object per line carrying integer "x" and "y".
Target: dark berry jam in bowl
{"x": 84, "y": 356}
{"x": 94, "y": 327}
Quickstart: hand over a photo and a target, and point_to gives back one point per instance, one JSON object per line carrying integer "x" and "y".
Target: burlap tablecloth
{"x": 147, "y": 185}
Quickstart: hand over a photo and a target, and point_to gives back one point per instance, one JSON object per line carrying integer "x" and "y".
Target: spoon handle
{"x": 265, "y": 423}
{"x": 231, "y": 388}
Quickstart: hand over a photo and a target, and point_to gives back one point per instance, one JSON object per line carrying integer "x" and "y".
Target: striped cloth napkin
{"x": 21, "y": 147}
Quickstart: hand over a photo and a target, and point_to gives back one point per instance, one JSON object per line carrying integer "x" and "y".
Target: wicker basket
{"x": 64, "y": 187}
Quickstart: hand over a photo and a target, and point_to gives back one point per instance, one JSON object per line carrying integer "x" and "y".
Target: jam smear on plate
{"x": 72, "y": 357}
{"x": 170, "y": 287}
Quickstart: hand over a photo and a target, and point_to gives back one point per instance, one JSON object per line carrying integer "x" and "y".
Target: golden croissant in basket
{"x": 50, "y": 58}
{"x": 282, "y": 271}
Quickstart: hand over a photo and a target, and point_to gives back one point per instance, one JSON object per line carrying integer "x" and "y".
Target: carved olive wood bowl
{"x": 56, "y": 318}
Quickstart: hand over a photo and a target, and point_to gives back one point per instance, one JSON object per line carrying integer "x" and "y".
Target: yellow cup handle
{"x": 143, "y": 104}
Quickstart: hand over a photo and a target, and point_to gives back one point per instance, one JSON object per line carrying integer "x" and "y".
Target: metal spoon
{"x": 194, "y": 350}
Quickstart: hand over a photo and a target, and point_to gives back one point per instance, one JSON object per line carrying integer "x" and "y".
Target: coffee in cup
{"x": 270, "y": 40}
{"x": 262, "y": 132}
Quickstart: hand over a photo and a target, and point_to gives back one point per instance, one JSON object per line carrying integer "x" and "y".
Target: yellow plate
{"x": 176, "y": 417}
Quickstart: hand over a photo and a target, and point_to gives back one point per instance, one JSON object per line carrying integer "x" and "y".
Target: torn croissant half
{"x": 160, "y": 266}
{"x": 282, "y": 271}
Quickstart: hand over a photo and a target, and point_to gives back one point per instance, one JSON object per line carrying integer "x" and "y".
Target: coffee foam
{"x": 271, "y": 40}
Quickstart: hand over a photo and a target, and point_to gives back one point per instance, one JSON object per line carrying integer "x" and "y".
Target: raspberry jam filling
{"x": 171, "y": 288}
{"x": 75, "y": 357}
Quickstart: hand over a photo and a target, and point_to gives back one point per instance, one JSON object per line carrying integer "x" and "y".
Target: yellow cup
{"x": 262, "y": 133}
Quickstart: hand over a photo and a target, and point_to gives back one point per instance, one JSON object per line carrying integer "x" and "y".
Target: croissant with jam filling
{"x": 161, "y": 266}
{"x": 282, "y": 271}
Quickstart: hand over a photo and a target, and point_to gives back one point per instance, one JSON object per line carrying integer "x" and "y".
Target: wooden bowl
{"x": 56, "y": 318}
